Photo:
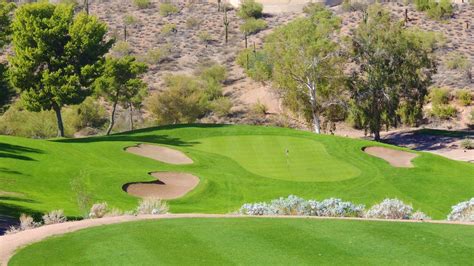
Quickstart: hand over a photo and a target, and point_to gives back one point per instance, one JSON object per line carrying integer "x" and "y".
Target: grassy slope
{"x": 251, "y": 241}
{"x": 42, "y": 170}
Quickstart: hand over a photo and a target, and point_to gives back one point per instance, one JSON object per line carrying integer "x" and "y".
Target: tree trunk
{"x": 112, "y": 118}
{"x": 377, "y": 135}
{"x": 131, "y": 117}
{"x": 314, "y": 109}
{"x": 59, "y": 118}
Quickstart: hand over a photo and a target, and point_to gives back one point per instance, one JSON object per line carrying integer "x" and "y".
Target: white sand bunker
{"x": 396, "y": 158}
{"x": 170, "y": 185}
{"x": 160, "y": 153}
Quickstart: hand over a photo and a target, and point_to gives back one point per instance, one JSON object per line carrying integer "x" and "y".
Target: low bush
{"x": 390, "y": 209}
{"x": 444, "y": 111}
{"x": 250, "y": 9}
{"x": 252, "y": 26}
{"x": 141, "y": 4}
{"x": 439, "y": 96}
{"x": 212, "y": 73}
{"x": 420, "y": 216}
{"x": 205, "y": 37}
{"x": 121, "y": 48}
{"x": 54, "y": 217}
{"x": 221, "y": 106}
{"x": 293, "y": 205}
{"x": 168, "y": 29}
{"x": 98, "y": 210}
{"x": 256, "y": 64}
{"x": 156, "y": 55}
{"x": 26, "y": 222}
{"x": 464, "y": 97}
{"x": 167, "y": 9}
{"x": 463, "y": 211}
{"x": 89, "y": 113}
{"x": 152, "y": 206}
{"x": 467, "y": 144}
{"x": 192, "y": 23}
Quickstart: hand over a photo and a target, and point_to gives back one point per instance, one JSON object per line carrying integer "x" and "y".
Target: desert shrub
{"x": 205, "y": 37}
{"x": 422, "y": 5}
{"x": 141, "y": 4}
{"x": 192, "y": 23}
{"x": 54, "y": 217}
{"x": 467, "y": 144}
{"x": 252, "y": 26}
{"x": 221, "y": 106}
{"x": 167, "y": 9}
{"x": 121, "y": 48}
{"x": 293, "y": 205}
{"x": 349, "y": 6}
{"x": 156, "y": 55}
{"x": 183, "y": 102}
{"x": 87, "y": 114}
{"x": 440, "y": 10}
{"x": 130, "y": 20}
{"x": 250, "y": 9}
{"x": 390, "y": 209}
{"x": 168, "y": 29}
{"x": 444, "y": 111}
{"x": 336, "y": 208}
{"x": 464, "y": 97}
{"x": 98, "y": 210}
{"x": 409, "y": 115}
{"x": 26, "y": 222}
{"x": 463, "y": 211}
{"x": 456, "y": 60}
{"x": 213, "y": 73}
{"x": 429, "y": 40}
{"x": 152, "y": 206}
{"x": 420, "y": 216}
{"x": 256, "y": 64}
{"x": 439, "y": 96}
{"x": 259, "y": 109}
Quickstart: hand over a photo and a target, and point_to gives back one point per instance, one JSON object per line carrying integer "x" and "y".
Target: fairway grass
{"x": 235, "y": 164}
{"x": 256, "y": 241}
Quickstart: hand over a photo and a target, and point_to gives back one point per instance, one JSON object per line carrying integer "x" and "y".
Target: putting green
{"x": 281, "y": 157}
{"x": 256, "y": 241}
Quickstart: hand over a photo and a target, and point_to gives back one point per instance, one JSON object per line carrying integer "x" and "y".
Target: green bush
{"x": 255, "y": 64}
{"x": 121, "y": 49}
{"x": 156, "y": 55}
{"x": 167, "y": 9}
{"x": 221, "y": 106}
{"x": 434, "y": 9}
{"x": 422, "y": 5}
{"x": 213, "y": 73}
{"x": 439, "y": 96}
{"x": 87, "y": 114}
{"x": 193, "y": 22}
{"x": 167, "y": 29}
{"x": 252, "y": 26}
{"x": 205, "y": 37}
{"x": 141, "y": 4}
{"x": 250, "y": 9}
{"x": 464, "y": 97}
{"x": 456, "y": 60}
{"x": 443, "y": 111}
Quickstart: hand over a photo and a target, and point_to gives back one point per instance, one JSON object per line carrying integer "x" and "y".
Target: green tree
{"x": 5, "y": 34}
{"x": 394, "y": 72}
{"x": 120, "y": 83}
{"x": 56, "y": 56}
{"x": 306, "y": 65}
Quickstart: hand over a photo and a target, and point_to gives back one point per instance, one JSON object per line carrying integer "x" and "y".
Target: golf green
{"x": 235, "y": 164}
{"x": 256, "y": 241}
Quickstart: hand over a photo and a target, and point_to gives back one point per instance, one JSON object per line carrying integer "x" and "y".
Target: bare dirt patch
{"x": 396, "y": 158}
{"x": 169, "y": 185}
{"x": 160, "y": 153}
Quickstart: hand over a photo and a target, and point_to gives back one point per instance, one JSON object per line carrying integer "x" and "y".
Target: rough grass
{"x": 41, "y": 171}
{"x": 253, "y": 241}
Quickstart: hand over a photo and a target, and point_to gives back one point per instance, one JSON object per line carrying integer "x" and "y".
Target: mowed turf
{"x": 256, "y": 241}
{"x": 236, "y": 164}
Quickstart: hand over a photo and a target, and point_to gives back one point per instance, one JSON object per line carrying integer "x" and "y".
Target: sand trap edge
{"x": 396, "y": 158}
{"x": 159, "y": 153}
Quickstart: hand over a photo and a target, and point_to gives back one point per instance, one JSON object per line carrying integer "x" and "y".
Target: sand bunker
{"x": 396, "y": 158}
{"x": 160, "y": 153}
{"x": 170, "y": 185}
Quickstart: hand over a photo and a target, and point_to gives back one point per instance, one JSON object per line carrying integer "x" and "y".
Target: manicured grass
{"x": 319, "y": 167}
{"x": 253, "y": 241}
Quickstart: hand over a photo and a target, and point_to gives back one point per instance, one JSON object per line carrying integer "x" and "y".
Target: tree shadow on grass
{"x": 141, "y": 136}
{"x": 17, "y": 152}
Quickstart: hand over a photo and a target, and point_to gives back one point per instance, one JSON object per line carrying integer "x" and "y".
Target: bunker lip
{"x": 160, "y": 153}
{"x": 169, "y": 185}
{"x": 396, "y": 158}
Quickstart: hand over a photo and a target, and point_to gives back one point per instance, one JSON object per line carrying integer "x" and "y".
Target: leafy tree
{"x": 394, "y": 72}
{"x": 56, "y": 56}
{"x": 120, "y": 84}
{"x": 5, "y": 34}
{"x": 306, "y": 65}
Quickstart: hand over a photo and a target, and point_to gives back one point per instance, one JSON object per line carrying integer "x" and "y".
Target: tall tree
{"x": 5, "y": 34}
{"x": 120, "y": 83}
{"x": 306, "y": 64}
{"x": 394, "y": 71}
{"x": 56, "y": 56}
